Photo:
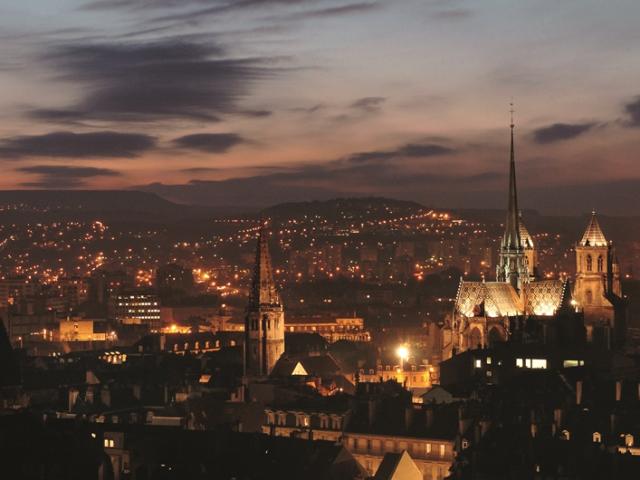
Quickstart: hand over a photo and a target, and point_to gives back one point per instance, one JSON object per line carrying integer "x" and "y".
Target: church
{"x": 264, "y": 320}
{"x": 519, "y": 306}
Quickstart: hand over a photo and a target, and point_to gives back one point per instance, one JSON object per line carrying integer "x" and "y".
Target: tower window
{"x": 589, "y": 263}
{"x": 600, "y": 263}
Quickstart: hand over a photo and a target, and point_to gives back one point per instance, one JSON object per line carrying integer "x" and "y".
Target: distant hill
{"x": 353, "y": 207}
{"x": 113, "y": 205}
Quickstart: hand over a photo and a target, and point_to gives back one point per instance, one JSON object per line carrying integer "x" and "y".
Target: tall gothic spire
{"x": 511, "y": 238}
{"x": 263, "y": 288}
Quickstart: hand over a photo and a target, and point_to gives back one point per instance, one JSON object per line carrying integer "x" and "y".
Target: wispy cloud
{"x": 77, "y": 145}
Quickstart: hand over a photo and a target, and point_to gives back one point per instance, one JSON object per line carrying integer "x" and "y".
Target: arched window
{"x": 589, "y": 296}
{"x": 597, "y": 437}
{"x": 589, "y": 263}
{"x": 600, "y": 263}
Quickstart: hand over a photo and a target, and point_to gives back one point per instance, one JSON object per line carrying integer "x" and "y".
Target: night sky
{"x": 253, "y": 102}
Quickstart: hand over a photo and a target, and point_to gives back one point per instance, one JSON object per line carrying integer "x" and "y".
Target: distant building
{"x": 137, "y": 307}
{"x": 13, "y": 289}
{"x": 332, "y": 329}
{"x": 264, "y": 321}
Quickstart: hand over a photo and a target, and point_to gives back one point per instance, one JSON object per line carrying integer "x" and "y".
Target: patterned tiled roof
{"x": 497, "y": 299}
{"x": 544, "y": 297}
{"x": 593, "y": 236}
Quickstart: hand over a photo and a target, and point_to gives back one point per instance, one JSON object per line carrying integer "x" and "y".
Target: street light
{"x": 403, "y": 354}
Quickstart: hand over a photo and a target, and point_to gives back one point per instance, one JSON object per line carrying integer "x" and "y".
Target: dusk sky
{"x": 253, "y": 102}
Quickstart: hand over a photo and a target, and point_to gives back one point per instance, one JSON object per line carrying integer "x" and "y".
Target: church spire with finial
{"x": 512, "y": 266}
{"x": 511, "y": 238}
{"x": 264, "y": 321}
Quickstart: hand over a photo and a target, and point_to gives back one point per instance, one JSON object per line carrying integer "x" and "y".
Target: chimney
{"x": 579, "y": 392}
{"x": 429, "y": 417}
{"x": 73, "y": 397}
{"x": 618, "y": 390}
{"x": 557, "y": 417}
{"x": 408, "y": 418}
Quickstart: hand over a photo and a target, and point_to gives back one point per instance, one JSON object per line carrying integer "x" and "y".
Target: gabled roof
{"x": 398, "y": 466}
{"x": 496, "y": 298}
{"x": 593, "y": 236}
{"x": 544, "y": 297}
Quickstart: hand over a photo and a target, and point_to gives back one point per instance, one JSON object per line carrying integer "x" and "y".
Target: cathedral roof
{"x": 544, "y": 297}
{"x": 263, "y": 288}
{"x": 495, "y": 298}
{"x": 593, "y": 236}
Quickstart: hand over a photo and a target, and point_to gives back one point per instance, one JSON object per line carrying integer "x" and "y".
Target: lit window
{"x": 488, "y": 360}
{"x": 478, "y": 363}
{"x": 519, "y": 363}
{"x": 572, "y": 363}
{"x": 428, "y": 448}
{"x": 628, "y": 440}
{"x": 597, "y": 437}
{"x": 566, "y": 435}
{"x": 442, "y": 449}
{"x": 538, "y": 363}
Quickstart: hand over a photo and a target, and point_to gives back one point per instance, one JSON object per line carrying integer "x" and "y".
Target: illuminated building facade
{"x": 264, "y": 321}
{"x": 137, "y": 307}
{"x": 332, "y": 329}
{"x": 489, "y": 312}
{"x": 597, "y": 290}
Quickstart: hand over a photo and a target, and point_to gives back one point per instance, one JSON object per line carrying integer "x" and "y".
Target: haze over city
{"x": 319, "y": 239}
{"x": 251, "y": 103}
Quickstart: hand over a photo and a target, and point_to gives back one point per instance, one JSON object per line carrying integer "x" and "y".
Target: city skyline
{"x": 259, "y": 102}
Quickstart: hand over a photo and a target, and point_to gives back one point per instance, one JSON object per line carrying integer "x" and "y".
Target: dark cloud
{"x": 209, "y": 142}
{"x": 410, "y": 150}
{"x": 632, "y": 109}
{"x": 77, "y": 145}
{"x": 61, "y": 176}
{"x": 368, "y": 104}
{"x": 171, "y": 78}
{"x": 560, "y": 131}
{"x": 198, "y": 170}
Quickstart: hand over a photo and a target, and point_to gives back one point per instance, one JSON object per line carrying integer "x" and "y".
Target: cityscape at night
{"x": 319, "y": 239}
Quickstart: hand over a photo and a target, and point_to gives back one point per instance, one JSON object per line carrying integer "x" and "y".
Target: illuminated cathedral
{"x": 519, "y": 305}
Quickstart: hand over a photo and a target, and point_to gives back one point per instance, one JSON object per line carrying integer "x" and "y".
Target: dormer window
{"x": 565, "y": 434}
{"x": 597, "y": 437}
{"x": 628, "y": 440}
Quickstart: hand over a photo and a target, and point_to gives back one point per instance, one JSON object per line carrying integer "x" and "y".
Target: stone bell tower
{"x": 264, "y": 321}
